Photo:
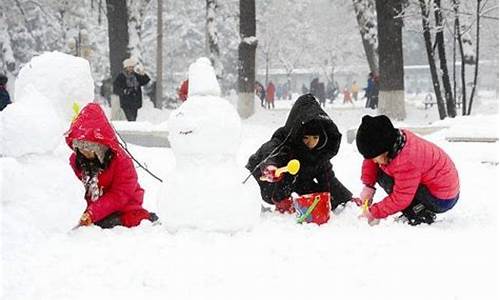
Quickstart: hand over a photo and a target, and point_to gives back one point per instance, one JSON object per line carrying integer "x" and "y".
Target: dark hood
{"x": 306, "y": 109}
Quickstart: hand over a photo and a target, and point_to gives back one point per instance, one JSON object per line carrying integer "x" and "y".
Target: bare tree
{"x": 476, "y": 69}
{"x": 450, "y": 103}
{"x": 425, "y": 10}
{"x": 367, "y": 22}
{"x": 246, "y": 59}
{"x": 159, "y": 56}
{"x": 390, "y": 49}
{"x": 212, "y": 38}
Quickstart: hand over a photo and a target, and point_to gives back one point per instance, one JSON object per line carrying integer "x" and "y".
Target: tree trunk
{"x": 476, "y": 69}
{"x": 430, "y": 56}
{"x": 213, "y": 39}
{"x": 364, "y": 10}
{"x": 450, "y": 104}
{"x": 390, "y": 49}
{"x": 246, "y": 59}
{"x": 462, "y": 56}
{"x": 159, "y": 56}
{"x": 118, "y": 34}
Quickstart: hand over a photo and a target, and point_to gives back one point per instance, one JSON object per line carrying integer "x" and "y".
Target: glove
{"x": 366, "y": 195}
{"x": 85, "y": 219}
{"x": 139, "y": 69}
{"x": 285, "y": 206}
{"x": 269, "y": 174}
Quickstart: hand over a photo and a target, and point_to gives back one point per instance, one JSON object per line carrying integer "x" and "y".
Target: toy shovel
{"x": 292, "y": 167}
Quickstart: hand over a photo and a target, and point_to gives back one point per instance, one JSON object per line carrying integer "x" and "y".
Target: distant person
{"x": 347, "y": 96}
{"x": 321, "y": 94}
{"x": 4, "y": 94}
{"x": 112, "y": 191}
{"x": 182, "y": 92}
{"x": 270, "y": 93}
{"x": 127, "y": 86}
{"x": 330, "y": 91}
{"x": 107, "y": 90}
{"x": 279, "y": 91}
{"x": 354, "y": 90}
{"x": 419, "y": 178}
{"x": 260, "y": 91}
{"x": 314, "y": 87}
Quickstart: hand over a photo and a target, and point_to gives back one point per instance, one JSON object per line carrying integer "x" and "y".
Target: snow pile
{"x": 205, "y": 190}
{"x": 46, "y": 89}
{"x": 61, "y": 78}
{"x": 29, "y": 128}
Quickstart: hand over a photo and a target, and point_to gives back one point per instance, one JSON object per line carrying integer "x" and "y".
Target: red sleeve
{"x": 406, "y": 181}
{"x": 369, "y": 171}
{"x": 122, "y": 188}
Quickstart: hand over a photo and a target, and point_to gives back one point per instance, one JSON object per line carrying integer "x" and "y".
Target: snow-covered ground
{"x": 455, "y": 258}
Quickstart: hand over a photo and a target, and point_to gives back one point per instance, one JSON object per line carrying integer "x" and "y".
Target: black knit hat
{"x": 312, "y": 127}
{"x": 375, "y": 136}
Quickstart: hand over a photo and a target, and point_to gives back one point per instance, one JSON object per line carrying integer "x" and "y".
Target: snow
{"x": 202, "y": 80}
{"x": 455, "y": 258}
{"x": 204, "y": 133}
{"x": 46, "y": 89}
{"x": 61, "y": 78}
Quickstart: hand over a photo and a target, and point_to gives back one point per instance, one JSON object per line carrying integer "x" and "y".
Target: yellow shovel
{"x": 292, "y": 167}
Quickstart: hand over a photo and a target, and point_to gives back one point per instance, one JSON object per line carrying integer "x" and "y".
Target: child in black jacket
{"x": 310, "y": 136}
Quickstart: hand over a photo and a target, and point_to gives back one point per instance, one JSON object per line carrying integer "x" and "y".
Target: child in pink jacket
{"x": 418, "y": 176}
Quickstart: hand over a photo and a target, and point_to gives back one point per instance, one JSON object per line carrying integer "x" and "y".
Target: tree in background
{"x": 390, "y": 50}
{"x": 367, "y": 23}
{"x": 246, "y": 59}
{"x": 118, "y": 34}
{"x": 212, "y": 38}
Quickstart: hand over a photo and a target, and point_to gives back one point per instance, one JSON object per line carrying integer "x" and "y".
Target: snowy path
{"x": 456, "y": 258}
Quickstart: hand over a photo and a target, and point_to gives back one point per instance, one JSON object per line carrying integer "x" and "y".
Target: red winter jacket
{"x": 183, "y": 90}
{"x": 121, "y": 190}
{"x": 419, "y": 162}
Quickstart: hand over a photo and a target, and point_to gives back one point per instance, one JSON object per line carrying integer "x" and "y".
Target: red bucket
{"x": 313, "y": 208}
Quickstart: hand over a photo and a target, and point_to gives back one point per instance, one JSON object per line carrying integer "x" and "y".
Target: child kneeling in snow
{"x": 311, "y": 137}
{"x": 113, "y": 194}
{"x": 418, "y": 176}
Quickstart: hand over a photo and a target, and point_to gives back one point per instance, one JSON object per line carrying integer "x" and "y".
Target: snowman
{"x": 204, "y": 190}
{"x": 37, "y": 181}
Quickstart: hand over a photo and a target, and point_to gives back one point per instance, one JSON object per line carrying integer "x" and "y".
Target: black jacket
{"x": 315, "y": 174}
{"x": 4, "y": 97}
{"x": 129, "y": 98}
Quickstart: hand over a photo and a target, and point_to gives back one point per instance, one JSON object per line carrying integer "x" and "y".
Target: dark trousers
{"x": 422, "y": 196}
{"x": 130, "y": 113}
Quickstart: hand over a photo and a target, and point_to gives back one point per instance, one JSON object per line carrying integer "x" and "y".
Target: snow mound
{"x": 61, "y": 78}
{"x": 30, "y": 127}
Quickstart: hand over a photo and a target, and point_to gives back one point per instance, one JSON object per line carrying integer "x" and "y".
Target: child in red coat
{"x": 113, "y": 194}
{"x": 418, "y": 176}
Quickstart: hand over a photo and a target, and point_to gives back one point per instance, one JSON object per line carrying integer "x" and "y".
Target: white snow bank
{"x": 61, "y": 78}
{"x": 30, "y": 126}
